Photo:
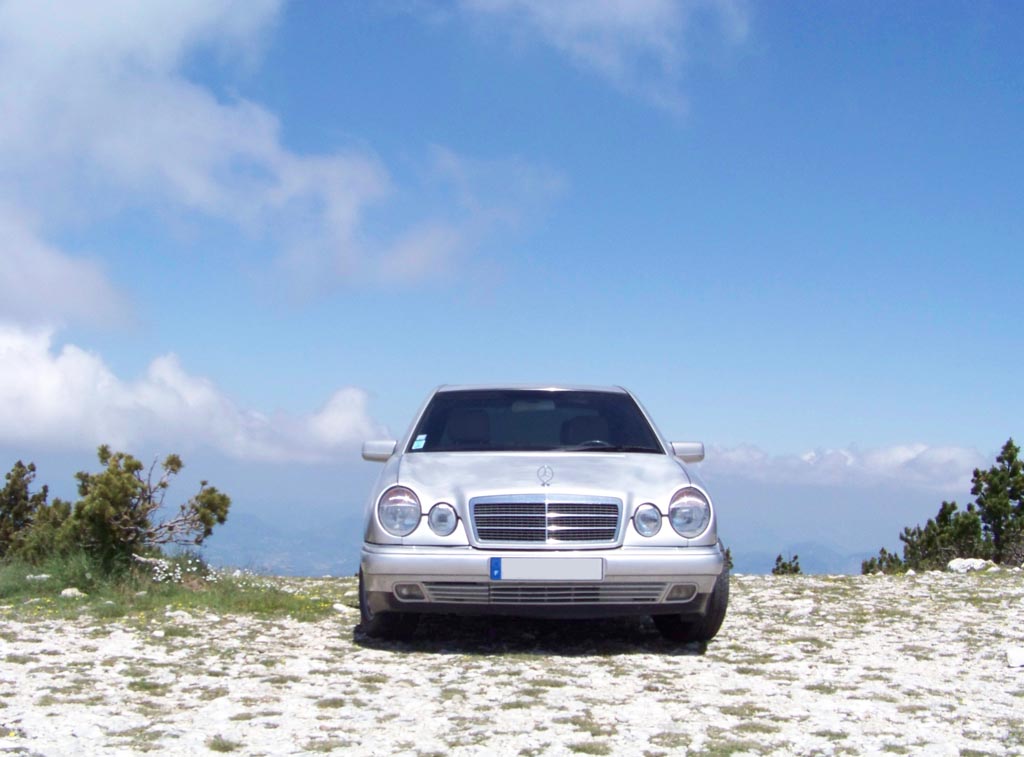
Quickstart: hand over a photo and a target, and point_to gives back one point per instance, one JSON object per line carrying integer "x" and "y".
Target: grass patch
{"x": 220, "y": 744}
{"x": 671, "y": 740}
{"x": 756, "y": 728}
{"x": 330, "y": 703}
{"x": 822, "y": 688}
{"x": 585, "y": 723}
{"x": 589, "y": 747}
{"x": 325, "y": 746}
{"x": 149, "y": 687}
{"x": 208, "y": 695}
{"x": 133, "y": 590}
{"x": 282, "y": 680}
{"x": 548, "y": 683}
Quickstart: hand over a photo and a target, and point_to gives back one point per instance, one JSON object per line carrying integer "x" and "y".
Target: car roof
{"x": 531, "y": 387}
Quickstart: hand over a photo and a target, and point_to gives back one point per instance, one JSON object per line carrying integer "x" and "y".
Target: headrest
{"x": 468, "y": 426}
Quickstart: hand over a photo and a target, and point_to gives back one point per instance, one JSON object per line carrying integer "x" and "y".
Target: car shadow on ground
{"x": 499, "y": 635}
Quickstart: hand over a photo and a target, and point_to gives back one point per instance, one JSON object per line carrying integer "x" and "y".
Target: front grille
{"x": 531, "y": 593}
{"x": 537, "y": 520}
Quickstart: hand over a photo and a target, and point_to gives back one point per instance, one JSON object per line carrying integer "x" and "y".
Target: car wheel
{"x": 680, "y": 628}
{"x": 395, "y": 626}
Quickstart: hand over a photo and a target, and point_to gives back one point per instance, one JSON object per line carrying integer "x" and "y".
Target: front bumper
{"x": 634, "y": 581}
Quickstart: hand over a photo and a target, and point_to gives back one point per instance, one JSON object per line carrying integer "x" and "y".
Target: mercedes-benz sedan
{"x": 549, "y": 501}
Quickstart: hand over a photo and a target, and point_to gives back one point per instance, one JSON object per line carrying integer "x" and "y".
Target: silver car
{"x": 542, "y": 501}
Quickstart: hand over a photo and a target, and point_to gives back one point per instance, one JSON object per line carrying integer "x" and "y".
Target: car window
{"x": 524, "y": 420}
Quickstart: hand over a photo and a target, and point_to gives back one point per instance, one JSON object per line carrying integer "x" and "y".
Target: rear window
{"x": 526, "y": 421}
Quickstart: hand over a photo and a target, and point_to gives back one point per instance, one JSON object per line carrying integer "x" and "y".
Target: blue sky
{"x": 258, "y": 232}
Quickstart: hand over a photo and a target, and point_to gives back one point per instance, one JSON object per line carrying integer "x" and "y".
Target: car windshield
{"x": 475, "y": 420}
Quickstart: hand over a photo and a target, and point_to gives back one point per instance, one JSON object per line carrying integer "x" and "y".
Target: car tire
{"x": 393, "y": 626}
{"x": 681, "y": 629}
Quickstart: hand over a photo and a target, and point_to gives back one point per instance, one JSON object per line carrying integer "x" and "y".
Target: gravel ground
{"x": 803, "y": 665}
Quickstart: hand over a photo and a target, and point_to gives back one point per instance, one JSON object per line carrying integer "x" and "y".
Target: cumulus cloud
{"x": 70, "y": 397}
{"x": 939, "y": 468}
{"x": 100, "y": 117}
{"x": 639, "y": 46}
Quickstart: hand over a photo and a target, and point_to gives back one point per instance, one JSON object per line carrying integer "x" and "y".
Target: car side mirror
{"x": 379, "y": 450}
{"x": 688, "y": 452}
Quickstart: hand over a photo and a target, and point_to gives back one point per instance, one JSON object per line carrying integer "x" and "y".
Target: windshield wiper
{"x": 607, "y": 448}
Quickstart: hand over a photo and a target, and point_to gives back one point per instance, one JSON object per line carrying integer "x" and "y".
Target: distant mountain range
{"x": 331, "y": 547}
{"x": 814, "y": 558}
{"x": 246, "y": 541}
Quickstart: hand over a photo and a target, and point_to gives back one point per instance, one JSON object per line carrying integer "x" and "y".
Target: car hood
{"x": 470, "y": 474}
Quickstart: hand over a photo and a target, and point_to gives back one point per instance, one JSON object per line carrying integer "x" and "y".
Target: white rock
{"x": 994, "y": 568}
{"x": 911, "y": 572}
{"x": 968, "y": 564}
{"x": 40, "y": 577}
{"x": 177, "y": 615}
{"x": 1015, "y": 657}
{"x": 73, "y": 593}
{"x": 158, "y": 634}
{"x": 342, "y": 608}
{"x": 801, "y": 610}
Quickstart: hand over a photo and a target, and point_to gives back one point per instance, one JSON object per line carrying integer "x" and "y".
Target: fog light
{"x": 409, "y": 592}
{"x": 681, "y": 593}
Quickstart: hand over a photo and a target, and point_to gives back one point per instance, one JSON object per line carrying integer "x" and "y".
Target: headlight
{"x": 442, "y": 519}
{"x": 647, "y": 520}
{"x": 399, "y": 511}
{"x": 689, "y": 513}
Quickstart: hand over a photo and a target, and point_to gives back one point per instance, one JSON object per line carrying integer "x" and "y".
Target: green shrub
{"x": 990, "y": 528}
{"x": 114, "y": 520}
{"x": 790, "y": 567}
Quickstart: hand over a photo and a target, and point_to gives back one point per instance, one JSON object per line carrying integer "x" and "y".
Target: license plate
{"x": 547, "y": 569}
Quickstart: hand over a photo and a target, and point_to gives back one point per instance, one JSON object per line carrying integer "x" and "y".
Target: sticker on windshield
{"x": 419, "y": 441}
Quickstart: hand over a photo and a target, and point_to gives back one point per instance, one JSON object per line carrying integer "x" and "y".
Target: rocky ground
{"x": 803, "y": 665}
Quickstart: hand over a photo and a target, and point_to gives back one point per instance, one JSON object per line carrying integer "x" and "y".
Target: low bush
{"x": 790, "y": 567}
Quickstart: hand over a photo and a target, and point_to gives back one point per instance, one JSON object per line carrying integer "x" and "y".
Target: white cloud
{"x": 70, "y": 398}
{"x": 482, "y": 197}
{"x": 99, "y": 117}
{"x": 639, "y": 46}
{"x": 40, "y": 284}
{"x": 939, "y": 468}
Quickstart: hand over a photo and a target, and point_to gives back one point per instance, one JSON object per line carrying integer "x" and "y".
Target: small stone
{"x": 1015, "y": 657}
{"x": 342, "y": 608}
{"x": 158, "y": 634}
{"x": 40, "y": 577}
{"x": 911, "y": 572}
{"x": 73, "y": 593}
